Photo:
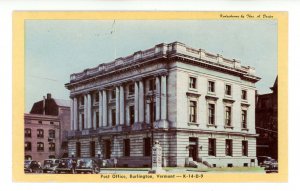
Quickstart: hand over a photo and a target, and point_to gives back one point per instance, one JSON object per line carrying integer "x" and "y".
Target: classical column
{"x": 72, "y": 114}
{"x": 75, "y": 116}
{"x": 94, "y": 120}
{"x": 136, "y": 102}
{"x": 148, "y": 104}
{"x": 89, "y": 111}
{"x": 141, "y": 102}
{"x": 117, "y": 106}
{"x": 100, "y": 109}
{"x": 104, "y": 111}
{"x": 85, "y": 112}
{"x": 164, "y": 97}
{"x": 157, "y": 103}
{"x": 122, "y": 106}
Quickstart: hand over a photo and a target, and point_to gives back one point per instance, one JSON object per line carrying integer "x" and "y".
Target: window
{"x": 40, "y": 133}
{"x": 51, "y": 156}
{"x": 40, "y": 122}
{"x": 192, "y": 83}
{"x": 227, "y": 116}
{"x": 52, "y": 133}
{"x": 51, "y": 146}
{"x": 152, "y": 85}
{"x": 212, "y": 147}
{"x": 193, "y": 111}
{"x": 228, "y": 147}
{"x": 244, "y": 119}
{"x": 96, "y": 97}
{"x": 147, "y": 146}
{"x": 113, "y": 117}
{"x": 78, "y": 149}
{"x": 131, "y": 89}
{"x": 27, "y": 146}
{"x": 211, "y": 86}
{"x": 131, "y": 115}
{"x": 211, "y": 114}
{"x": 244, "y": 94}
{"x": 113, "y": 94}
{"x": 97, "y": 119}
{"x": 228, "y": 90}
{"x": 40, "y": 146}
{"x": 245, "y": 148}
{"x": 126, "y": 147}
{"x": 82, "y": 121}
{"x": 92, "y": 149}
{"x": 27, "y": 132}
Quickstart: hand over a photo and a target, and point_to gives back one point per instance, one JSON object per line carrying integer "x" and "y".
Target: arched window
{"x": 27, "y": 132}
{"x": 40, "y": 133}
{"x": 27, "y": 146}
{"x": 52, "y": 133}
{"x": 51, "y": 146}
{"x": 28, "y": 157}
{"x": 40, "y": 146}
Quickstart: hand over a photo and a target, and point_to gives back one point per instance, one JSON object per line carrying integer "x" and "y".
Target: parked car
{"x": 50, "y": 165}
{"x": 66, "y": 165}
{"x": 268, "y": 163}
{"x": 32, "y": 166}
{"x": 87, "y": 165}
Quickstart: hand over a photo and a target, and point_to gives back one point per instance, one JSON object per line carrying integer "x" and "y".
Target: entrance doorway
{"x": 107, "y": 144}
{"x": 193, "y": 148}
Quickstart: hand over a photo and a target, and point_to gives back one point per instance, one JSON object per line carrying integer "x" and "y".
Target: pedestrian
{"x": 74, "y": 163}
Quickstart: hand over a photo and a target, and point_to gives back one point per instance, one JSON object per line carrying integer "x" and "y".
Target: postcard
{"x": 150, "y": 96}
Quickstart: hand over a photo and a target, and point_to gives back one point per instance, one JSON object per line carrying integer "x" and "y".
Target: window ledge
{"x": 211, "y": 125}
{"x": 193, "y": 89}
{"x": 228, "y": 127}
{"x": 193, "y": 94}
{"x": 193, "y": 124}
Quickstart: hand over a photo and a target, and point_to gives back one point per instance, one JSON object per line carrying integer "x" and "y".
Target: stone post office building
{"x": 198, "y": 105}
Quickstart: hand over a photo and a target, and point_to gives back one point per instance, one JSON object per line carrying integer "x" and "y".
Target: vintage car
{"x": 270, "y": 165}
{"x": 66, "y": 165}
{"x": 50, "y": 165}
{"x": 31, "y": 166}
{"x": 87, "y": 165}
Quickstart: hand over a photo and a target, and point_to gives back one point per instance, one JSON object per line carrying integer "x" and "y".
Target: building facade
{"x": 46, "y": 128}
{"x": 267, "y": 123}
{"x": 198, "y": 105}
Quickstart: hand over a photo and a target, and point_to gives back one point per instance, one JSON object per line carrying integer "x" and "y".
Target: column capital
{"x": 164, "y": 73}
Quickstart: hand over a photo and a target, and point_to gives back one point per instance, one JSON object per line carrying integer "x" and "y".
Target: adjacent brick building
{"x": 267, "y": 123}
{"x": 46, "y": 127}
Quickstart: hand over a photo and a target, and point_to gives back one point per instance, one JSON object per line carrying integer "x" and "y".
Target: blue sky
{"x": 54, "y": 49}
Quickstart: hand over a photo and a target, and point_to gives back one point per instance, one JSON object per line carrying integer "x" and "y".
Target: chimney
{"x": 44, "y": 104}
{"x": 48, "y": 96}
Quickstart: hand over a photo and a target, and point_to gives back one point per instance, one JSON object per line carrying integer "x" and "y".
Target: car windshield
{"x": 84, "y": 162}
{"x": 64, "y": 163}
{"x": 48, "y": 162}
{"x": 27, "y": 162}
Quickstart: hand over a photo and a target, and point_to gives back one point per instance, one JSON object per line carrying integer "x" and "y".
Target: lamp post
{"x": 150, "y": 99}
